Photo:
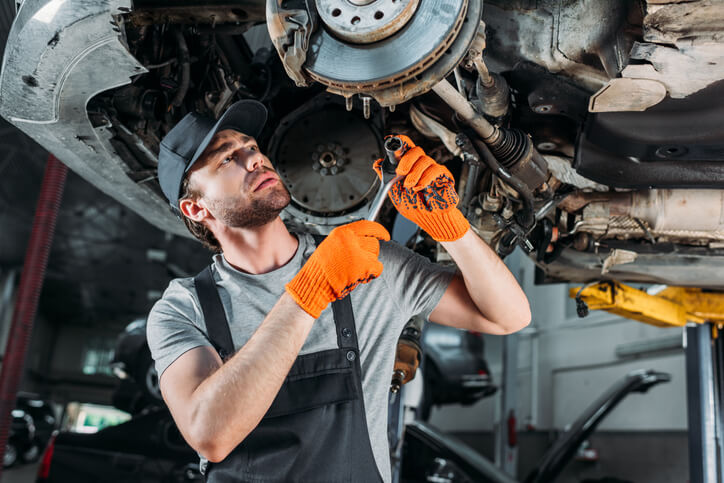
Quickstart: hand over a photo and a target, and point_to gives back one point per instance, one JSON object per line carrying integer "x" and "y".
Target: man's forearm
{"x": 491, "y": 286}
{"x": 232, "y": 401}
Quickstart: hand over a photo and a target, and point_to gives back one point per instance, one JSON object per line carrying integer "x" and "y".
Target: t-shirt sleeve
{"x": 416, "y": 282}
{"x": 171, "y": 328}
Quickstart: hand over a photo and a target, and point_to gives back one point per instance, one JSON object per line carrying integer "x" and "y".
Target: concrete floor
{"x": 20, "y": 474}
{"x": 652, "y": 457}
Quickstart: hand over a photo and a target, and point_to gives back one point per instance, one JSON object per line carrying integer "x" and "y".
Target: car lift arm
{"x": 672, "y": 307}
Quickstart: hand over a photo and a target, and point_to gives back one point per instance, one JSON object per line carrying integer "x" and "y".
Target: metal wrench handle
{"x": 395, "y": 148}
{"x": 380, "y": 198}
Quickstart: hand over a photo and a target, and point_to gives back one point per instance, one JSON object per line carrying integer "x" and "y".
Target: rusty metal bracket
{"x": 290, "y": 26}
{"x": 672, "y": 307}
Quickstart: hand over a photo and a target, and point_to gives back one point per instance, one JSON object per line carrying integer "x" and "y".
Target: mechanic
{"x": 276, "y": 360}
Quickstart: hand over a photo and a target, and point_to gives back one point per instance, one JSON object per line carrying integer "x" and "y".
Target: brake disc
{"x": 391, "y": 50}
{"x": 425, "y": 37}
{"x": 324, "y": 157}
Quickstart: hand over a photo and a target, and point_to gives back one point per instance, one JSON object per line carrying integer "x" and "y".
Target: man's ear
{"x": 193, "y": 209}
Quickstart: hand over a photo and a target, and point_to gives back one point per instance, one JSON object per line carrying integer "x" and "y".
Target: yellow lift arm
{"x": 672, "y": 307}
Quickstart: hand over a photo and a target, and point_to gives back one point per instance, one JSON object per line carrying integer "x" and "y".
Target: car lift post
{"x": 506, "y": 444}
{"x": 701, "y": 315}
{"x": 718, "y": 361}
{"x": 31, "y": 281}
{"x": 506, "y": 447}
{"x": 703, "y": 392}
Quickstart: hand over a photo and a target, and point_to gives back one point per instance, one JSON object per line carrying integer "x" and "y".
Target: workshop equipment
{"x": 395, "y": 148}
{"x": 671, "y": 307}
{"x": 701, "y": 314}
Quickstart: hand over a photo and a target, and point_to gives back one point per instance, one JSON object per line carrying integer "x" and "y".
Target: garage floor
{"x": 21, "y": 474}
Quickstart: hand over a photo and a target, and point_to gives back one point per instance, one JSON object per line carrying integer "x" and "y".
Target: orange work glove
{"x": 426, "y": 195}
{"x": 346, "y": 258}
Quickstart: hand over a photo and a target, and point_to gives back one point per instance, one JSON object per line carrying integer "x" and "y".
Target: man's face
{"x": 237, "y": 182}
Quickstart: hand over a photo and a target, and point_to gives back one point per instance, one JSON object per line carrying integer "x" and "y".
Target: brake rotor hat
{"x": 184, "y": 144}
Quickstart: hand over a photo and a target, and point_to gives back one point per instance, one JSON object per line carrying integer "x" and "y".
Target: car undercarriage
{"x": 588, "y": 133}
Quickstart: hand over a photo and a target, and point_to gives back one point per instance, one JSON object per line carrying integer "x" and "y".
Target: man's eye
{"x": 254, "y": 148}
{"x": 227, "y": 159}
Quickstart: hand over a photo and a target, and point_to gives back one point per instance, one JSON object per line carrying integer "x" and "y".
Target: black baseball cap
{"x": 184, "y": 144}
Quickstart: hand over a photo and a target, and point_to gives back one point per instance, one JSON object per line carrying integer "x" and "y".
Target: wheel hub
{"x": 329, "y": 159}
{"x": 365, "y": 21}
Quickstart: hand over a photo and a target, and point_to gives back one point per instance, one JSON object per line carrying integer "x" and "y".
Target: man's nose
{"x": 254, "y": 161}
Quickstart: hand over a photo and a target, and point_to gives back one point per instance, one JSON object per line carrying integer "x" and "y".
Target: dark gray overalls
{"x": 316, "y": 429}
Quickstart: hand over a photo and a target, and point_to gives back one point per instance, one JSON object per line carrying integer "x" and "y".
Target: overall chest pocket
{"x": 316, "y": 380}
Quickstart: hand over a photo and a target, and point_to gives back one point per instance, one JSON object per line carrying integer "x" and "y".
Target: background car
{"x": 44, "y": 417}
{"x": 147, "y": 449}
{"x": 454, "y": 368}
{"x": 33, "y": 423}
{"x": 132, "y": 363}
{"x": 21, "y": 445}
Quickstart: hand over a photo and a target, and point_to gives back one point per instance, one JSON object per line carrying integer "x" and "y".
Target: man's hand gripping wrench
{"x": 395, "y": 148}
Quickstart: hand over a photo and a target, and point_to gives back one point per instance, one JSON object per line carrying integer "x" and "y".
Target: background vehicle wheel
{"x": 430, "y": 374}
{"x": 11, "y": 455}
{"x": 31, "y": 454}
{"x": 147, "y": 377}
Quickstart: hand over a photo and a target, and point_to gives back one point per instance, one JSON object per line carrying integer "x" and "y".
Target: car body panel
{"x": 57, "y": 57}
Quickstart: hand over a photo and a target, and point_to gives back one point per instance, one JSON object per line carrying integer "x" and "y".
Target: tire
{"x": 11, "y": 455}
{"x": 147, "y": 378}
{"x": 430, "y": 373}
{"x": 31, "y": 454}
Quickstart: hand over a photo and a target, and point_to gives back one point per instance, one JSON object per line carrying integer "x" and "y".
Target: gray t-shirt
{"x": 409, "y": 285}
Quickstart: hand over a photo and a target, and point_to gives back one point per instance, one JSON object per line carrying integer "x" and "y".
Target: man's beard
{"x": 237, "y": 212}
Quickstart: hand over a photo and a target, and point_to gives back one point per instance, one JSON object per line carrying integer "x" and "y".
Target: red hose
{"x": 31, "y": 281}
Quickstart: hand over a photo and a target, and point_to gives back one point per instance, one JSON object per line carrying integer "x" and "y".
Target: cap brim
{"x": 247, "y": 116}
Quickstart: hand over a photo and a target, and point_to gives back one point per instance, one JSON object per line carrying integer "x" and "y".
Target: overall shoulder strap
{"x": 217, "y": 326}
{"x": 343, "y": 315}
{"x": 318, "y": 238}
